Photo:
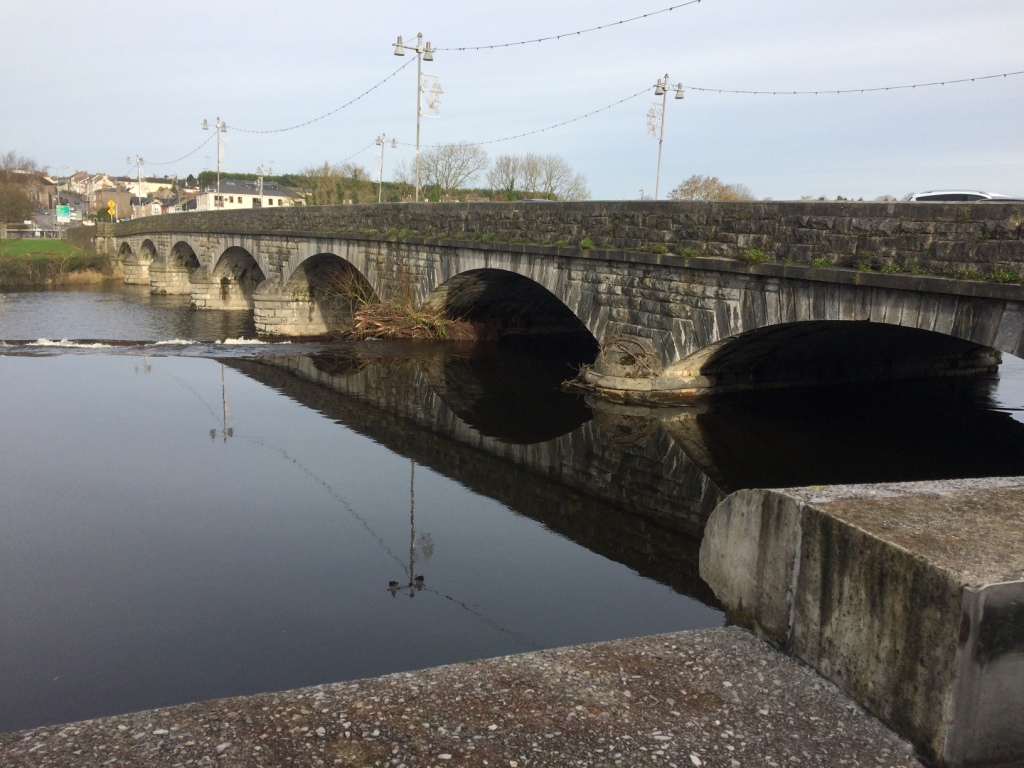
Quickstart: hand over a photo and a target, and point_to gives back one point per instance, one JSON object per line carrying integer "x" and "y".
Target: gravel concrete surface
{"x": 718, "y": 697}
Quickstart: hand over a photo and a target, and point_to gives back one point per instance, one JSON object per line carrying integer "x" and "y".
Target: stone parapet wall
{"x": 932, "y": 238}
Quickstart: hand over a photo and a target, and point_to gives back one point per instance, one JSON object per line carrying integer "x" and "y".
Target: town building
{"x": 236, "y": 194}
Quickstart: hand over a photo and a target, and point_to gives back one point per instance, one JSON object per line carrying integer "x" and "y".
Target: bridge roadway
{"x": 682, "y": 298}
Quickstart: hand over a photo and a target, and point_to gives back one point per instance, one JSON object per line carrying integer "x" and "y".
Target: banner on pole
{"x": 654, "y": 120}
{"x": 430, "y": 87}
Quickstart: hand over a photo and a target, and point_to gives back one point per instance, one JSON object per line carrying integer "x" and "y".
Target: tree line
{"x": 449, "y": 172}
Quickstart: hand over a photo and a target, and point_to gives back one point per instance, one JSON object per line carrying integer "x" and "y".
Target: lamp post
{"x": 380, "y": 141}
{"x": 138, "y": 167}
{"x": 661, "y": 89}
{"x": 219, "y": 127}
{"x": 259, "y": 183}
{"x": 423, "y": 53}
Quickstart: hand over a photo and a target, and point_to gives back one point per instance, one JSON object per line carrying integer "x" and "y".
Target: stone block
{"x": 910, "y": 597}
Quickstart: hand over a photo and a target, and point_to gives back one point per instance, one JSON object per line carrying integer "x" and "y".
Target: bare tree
{"x": 558, "y": 179}
{"x": 506, "y": 175}
{"x": 405, "y": 178}
{"x": 11, "y": 161}
{"x": 451, "y": 166}
{"x": 699, "y": 187}
{"x": 537, "y": 175}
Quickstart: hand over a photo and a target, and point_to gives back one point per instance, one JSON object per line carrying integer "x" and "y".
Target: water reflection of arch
{"x": 575, "y": 484}
{"x": 512, "y": 391}
{"x": 920, "y": 430}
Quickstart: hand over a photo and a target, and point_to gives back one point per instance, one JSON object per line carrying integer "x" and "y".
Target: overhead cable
{"x": 568, "y": 34}
{"x": 327, "y": 114}
{"x": 539, "y": 130}
{"x": 172, "y": 162}
{"x": 827, "y": 91}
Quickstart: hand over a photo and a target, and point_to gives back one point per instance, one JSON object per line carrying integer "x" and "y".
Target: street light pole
{"x": 661, "y": 89}
{"x": 423, "y": 53}
{"x": 219, "y": 127}
{"x": 380, "y": 141}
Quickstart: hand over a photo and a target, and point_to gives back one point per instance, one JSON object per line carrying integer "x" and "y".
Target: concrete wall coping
{"x": 969, "y": 527}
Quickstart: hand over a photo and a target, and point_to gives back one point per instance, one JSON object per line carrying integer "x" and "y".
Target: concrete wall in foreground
{"x": 910, "y": 597}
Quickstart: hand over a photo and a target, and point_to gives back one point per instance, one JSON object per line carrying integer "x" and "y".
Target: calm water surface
{"x": 173, "y": 529}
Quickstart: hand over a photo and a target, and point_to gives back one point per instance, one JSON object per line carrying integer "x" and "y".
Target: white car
{"x": 958, "y": 196}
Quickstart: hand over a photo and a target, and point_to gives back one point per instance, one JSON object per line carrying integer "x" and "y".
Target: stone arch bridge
{"x": 682, "y": 298}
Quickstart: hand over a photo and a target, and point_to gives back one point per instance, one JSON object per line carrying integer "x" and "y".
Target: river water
{"x": 189, "y": 514}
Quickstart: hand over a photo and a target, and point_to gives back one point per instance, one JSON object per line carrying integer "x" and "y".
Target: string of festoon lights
{"x": 834, "y": 91}
{"x": 187, "y": 155}
{"x": 348, "y": 103}
{"x": 708, "y": 89}
{"x": 608, "y": 25}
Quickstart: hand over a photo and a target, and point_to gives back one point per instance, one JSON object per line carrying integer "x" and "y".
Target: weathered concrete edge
{"x": 939, "y": 659}
{"x": 706, "y": 697}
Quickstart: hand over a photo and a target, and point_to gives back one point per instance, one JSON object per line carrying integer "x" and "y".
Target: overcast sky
{"x": 87, "y": 84}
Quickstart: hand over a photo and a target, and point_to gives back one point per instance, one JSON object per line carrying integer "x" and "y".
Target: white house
{"x": 235, "y": 194}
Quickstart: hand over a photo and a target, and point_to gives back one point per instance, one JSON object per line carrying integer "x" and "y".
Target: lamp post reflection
{"x": 416, "y": 583}
{"x": 226, "y": 431}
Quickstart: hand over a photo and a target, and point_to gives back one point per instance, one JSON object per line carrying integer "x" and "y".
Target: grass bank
{"x": 25, "y": 262}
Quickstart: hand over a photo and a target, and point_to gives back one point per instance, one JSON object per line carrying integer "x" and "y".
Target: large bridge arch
{"x": 831, "y": 352}
{"x": 230, "y": 283}
{"x": 318, "y": 298}
{"x": 718, "y": 323}
{"x": 511, "y": 303}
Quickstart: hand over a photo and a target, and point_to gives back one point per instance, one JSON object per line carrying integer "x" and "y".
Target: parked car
{"x": 959, "y": 196}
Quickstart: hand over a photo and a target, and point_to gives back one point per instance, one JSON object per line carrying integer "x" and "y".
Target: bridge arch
{"x": 171, "y": 274}
{"x": 230, "y": 284}
{"x": 135, "y": 262}
{"x": 825, "y": 352}
{"x": 324, "y": 290}
{"x": 508, "y": 303}
{"x": 147, "y": 252}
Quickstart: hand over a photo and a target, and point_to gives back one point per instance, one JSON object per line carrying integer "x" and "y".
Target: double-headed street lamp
{"x": 380, "y": 141}
{"x": 220, "y": 128}
{"x": 423, "y": 53}
{"x": 661, "y": 89}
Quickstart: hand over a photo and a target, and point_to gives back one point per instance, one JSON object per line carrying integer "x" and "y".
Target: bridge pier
{"x": 280, "y": 312}
{"x": 221, "y": 291}
{"x": 169, "y": 280}
{"x": 136, "y": 272}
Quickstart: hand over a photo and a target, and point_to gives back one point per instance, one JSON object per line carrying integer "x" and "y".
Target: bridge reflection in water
{"x": 637, "y": 484}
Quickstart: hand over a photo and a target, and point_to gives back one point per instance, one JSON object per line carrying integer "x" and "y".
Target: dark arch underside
{"x": 825, "y": 352}
{"x": 510, "y": 303}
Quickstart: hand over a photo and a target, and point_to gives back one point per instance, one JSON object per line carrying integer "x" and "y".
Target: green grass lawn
{"x": 36, "y": 248}
{"x": 40, "y": 261}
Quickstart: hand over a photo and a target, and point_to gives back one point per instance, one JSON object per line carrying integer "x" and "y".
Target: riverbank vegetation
{"x": 34, "y": 262}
